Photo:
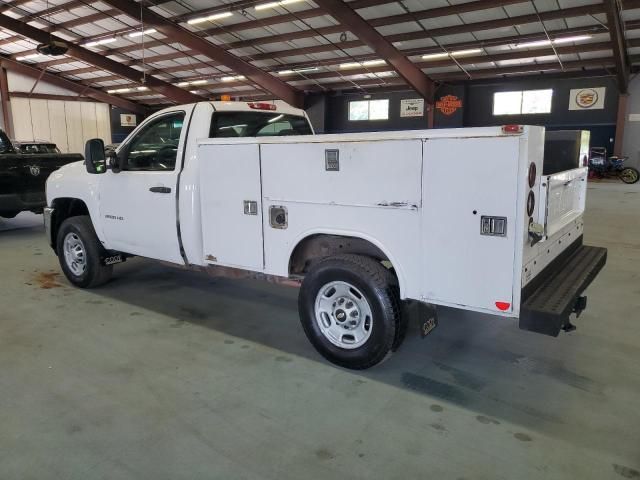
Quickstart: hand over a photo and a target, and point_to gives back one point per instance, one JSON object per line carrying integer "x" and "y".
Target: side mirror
{"x": 94, "y": 156}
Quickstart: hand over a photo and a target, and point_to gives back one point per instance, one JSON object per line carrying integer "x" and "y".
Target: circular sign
{"x": 586, "y": 98}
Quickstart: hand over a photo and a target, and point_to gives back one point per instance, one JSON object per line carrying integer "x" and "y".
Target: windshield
{"x": 257, "y": 124}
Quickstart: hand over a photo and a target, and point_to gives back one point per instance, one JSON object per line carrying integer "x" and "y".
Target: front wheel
{"x": 80, "y": 253}
{"x": 350, "y": 310}
{"x": 629, "y": 175}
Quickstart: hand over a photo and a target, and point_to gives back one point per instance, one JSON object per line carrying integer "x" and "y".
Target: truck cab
{"x": 360, "y": 222}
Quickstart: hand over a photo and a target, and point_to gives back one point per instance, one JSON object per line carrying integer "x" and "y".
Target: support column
{"x": 430, "y": 114}
{"x": 621, "y": 123}
{"x": 6, "y": 103}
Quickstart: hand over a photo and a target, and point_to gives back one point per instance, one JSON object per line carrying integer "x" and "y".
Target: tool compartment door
{"x": 230, "y": 193}
{"x": 466, "y": 179}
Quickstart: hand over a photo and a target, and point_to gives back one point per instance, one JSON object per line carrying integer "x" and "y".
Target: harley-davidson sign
{"x": 448, "y": 104}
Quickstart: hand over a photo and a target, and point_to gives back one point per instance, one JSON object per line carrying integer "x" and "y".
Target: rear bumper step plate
{"x": 546, "y": 308}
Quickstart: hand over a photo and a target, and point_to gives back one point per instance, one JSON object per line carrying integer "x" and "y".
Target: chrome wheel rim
{"x": 75, "y": 255}
{"x": 343, "y": 315}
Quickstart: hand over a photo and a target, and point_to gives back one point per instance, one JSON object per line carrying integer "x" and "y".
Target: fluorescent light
{"x": 367, "y": 63}
{"x": 544, "y": 43}
{"x": 103, "y": 41}
{"x": 471, "y": 51}
{"x": 433, "y": 56}
{"x": 262, "y": 6}
{"x": 577, "y": 38}
{"x": 457, "y": 53}
{"x": 28, "y": 57}
{"x": 139, "y": 33}
{"x": 142, "y": 89}
{"x": 209, "y": 18}
{"x": 298, "y": 70}
{"x": 119, "y": 90}
{"x": 199, "y": 82}
{"x": 232, "y": 79}
{"x": 183, "y": 84}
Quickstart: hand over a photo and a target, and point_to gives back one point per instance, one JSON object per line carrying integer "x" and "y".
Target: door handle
{"x": 160, "y": 190}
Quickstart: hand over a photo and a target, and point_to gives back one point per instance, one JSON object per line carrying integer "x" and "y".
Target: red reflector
{"x": 262, "y": 106}
{"x": 512, "y": 129}
{"x": 503, "y": 305}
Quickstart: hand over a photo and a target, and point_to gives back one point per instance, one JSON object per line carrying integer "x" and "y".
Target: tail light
{"x": 512, "y": 129}
{"x": 261, "y": 106}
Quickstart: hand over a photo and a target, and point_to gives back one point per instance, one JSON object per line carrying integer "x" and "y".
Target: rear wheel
{"x": 629, "y": 175}
{"x": 80, "y": 253}
{"x": 350, "y": 310}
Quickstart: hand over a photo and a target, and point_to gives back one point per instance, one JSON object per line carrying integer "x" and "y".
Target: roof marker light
{"x": 512, "y": 129}
{"x": 262, "y": 106}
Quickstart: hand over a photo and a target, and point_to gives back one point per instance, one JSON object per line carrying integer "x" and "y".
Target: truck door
{"x": 138, "y": 204}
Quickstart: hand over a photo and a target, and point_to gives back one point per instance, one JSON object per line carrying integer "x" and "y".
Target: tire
{"x": 332, "y": 291}
{"x": 629, "y": 175}
{"x": 83, "y": 243}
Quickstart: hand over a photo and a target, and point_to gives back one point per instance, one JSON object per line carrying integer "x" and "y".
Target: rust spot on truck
{"x": 211, "y": 258}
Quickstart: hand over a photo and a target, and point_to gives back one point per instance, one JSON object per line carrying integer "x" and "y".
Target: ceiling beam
{"x": 75, "y": 87}
{"x": 273, "y": 85}
{"x": 170, "y": 91}
{"x": 620, "y": 55}
{"x": 348, "y": 17}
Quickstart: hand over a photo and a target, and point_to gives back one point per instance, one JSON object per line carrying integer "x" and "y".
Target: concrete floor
{"x": 165, "y": 374}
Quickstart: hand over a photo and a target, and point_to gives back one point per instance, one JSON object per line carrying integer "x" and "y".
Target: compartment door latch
{"x": 493, "y": 226}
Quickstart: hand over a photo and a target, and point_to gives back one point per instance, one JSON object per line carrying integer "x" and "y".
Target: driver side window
{"x": 155, "y": 147}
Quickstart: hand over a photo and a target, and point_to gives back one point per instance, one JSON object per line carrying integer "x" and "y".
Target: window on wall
{"x": 523, "y": 102}
{"x": 369, "y": 110}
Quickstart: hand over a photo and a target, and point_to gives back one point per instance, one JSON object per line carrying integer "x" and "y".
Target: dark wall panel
{"x": 479, "y": 111}
{"x": 118, "y": 132}
{"x": 337, "y": 114}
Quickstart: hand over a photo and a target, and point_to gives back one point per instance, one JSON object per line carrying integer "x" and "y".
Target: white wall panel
{"x": 21, "y": 111}
{"x": 89, "y": 123}
{"x": 75, "y": 137}
{"x": 58, "y": 124}
{"x": 40, "y": 119}
{"x": 67, "y": 123}
{"x": 103, "y": 120}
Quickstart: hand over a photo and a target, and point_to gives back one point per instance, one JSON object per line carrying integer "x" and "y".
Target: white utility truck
{"x": 361, "y": 222}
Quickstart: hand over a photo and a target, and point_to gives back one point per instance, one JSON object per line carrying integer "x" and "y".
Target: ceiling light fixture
{"x": 209, "y": 18}
{"x": 28, "y": 57}
{"x": 232, "y": 79}
{"x": 145, "y": 32}
{"x": 103, "y": 41}
{"x": 457, "y": 53}
{"x": 119, "y": 90}
{"x": 544, "y": 43}
{"x": 263, "y": 6}
{"x": 367, "y": 63}
{"x": 298, "y": 70}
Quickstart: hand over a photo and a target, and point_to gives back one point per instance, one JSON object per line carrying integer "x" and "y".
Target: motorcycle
{"x": 603, "y": 166}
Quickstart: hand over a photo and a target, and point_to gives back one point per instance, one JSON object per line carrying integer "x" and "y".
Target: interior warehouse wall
{"x": 631, "y": 143}
{"x": 601, "y": 123}
{"x": 67, "y": 123}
